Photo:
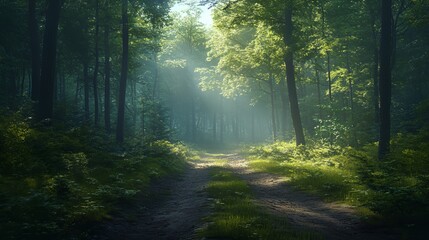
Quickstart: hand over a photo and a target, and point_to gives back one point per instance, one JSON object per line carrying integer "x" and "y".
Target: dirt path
{"x": 333, "y": 221}
{"x": 178, "y": 213}
{"x": 181, "y": 204}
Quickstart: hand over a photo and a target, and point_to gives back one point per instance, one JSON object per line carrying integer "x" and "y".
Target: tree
{"x": 385, "y": 83}
{"x": 94, "y": 80}
{"x": 35, "y": 50}
{"x": 107, "y": 67}
{"x": 124, "y": 74}
{"x": 290, "y": 75}
{"x": 46, "y": 103}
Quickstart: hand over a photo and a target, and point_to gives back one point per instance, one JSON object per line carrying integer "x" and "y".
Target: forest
{"x": 214, "y": 119}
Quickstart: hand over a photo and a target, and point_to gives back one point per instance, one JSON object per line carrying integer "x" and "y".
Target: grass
{"x": 394, "y": 191}
{"x": 236, "y": 216}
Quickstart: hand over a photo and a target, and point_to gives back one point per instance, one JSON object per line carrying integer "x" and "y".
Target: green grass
{"x": 236, "y": 216}
{"x": 332, "y": 183}
{"x": 393, "y": 191}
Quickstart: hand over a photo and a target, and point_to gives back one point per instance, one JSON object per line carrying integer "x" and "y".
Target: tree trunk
{"x": 46, "y": 97}
{"x": 214, "y": 128}
{"x": 285, "y": 103}
{"x": 22, "y": 82}
{"x": 375, "y": 81}
{"x": 86, "y": 89}
{"x": 35, "y": 50}
{"x": 107, "y": 125}
{"x": 155, "y": 77}
{"x": 329, "y": 77}
{"x": 221, "y": 117}
{"x": 273, "y": 116}
{"x": 290, "y": 78}
{"x": 385, "y": 87}
{"x": 124, "y": 74}
{"x": 94, "y": 80}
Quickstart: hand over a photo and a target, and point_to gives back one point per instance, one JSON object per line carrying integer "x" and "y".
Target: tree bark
{"x": 329, "y": 77}
{"x": 124, "y": 74}
{"x": 285, "y": 103}
{"x": 107, "y": 104}
{"x": 94, "y": 80}
{"x": 86, "y": 89}
{"x": 35, "y": 50}
{"x": 385, "y": 87}
{"x": 273, "y": 116}
{"x": 290, "y": 77}
{"x": 214, "y": 127}
{"x": 47, "y": 79}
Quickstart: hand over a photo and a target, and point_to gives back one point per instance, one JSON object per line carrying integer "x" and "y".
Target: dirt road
{"x": 183, "y": 204}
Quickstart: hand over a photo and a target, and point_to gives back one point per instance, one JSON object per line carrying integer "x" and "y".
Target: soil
{"x": 175, "y": 211}
{"x": 181, "y": 205}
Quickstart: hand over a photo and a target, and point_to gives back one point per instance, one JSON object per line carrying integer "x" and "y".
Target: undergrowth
{"x": 237, "y": 217}
{"x": 57, "y": 183}
{"x": 394, "y": 191}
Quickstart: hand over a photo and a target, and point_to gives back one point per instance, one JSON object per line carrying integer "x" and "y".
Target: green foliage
{"x": 156, "y": 121}
{"x": 57, "y": 184}
{"x": 237, "y": 217}
{"x": 395, "y": 189}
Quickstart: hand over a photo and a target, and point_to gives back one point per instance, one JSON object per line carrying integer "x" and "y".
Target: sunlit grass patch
{"x": 394, "y": 190}
{"x": 236, "y": 216}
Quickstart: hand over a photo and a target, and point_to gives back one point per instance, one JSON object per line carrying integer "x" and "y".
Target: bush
{"x": 55, "y": 183}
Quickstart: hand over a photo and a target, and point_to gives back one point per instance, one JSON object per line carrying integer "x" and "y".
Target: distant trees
{"x": 333, "y": 83}
{"x": 70, "y": 64}
{"x": 269, "y": 69}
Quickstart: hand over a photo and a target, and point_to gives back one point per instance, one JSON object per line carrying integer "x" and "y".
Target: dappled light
{"x": 214, "y": 119}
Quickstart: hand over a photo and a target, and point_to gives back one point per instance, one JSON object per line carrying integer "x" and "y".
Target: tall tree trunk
{"x": 329, "y": 77}
{"x": 214, "y": 127}
{"x": 86, "y": 89}
{"x": 94, "y": 79}
{"x": 193, "y": 120}
{"x": 352, "y": 110}
{"x": 22, "y": 82}
{"x": 124, "y": 74}
{"x": 290, "y": 77}
{"x": 273, "y": 106}
{"x": 107, "y": 102}
{"x": 253, "y": 124}
{"x": 155, "y": 77}
{"x": 221, "y": 117}
{"x": 46, "y": 98}
{"x": 283, "y": 97}
{"x": 376, "y": 97}
{"x": 319, "y": 94}
{"x": 385, "y": 87}
{"x": 35, "y": 50}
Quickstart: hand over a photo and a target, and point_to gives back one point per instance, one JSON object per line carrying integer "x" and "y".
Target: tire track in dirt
{"x": 331, "y": 220}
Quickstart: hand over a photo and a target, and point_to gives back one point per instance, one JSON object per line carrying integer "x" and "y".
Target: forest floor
{"x": 178, "y": 205}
